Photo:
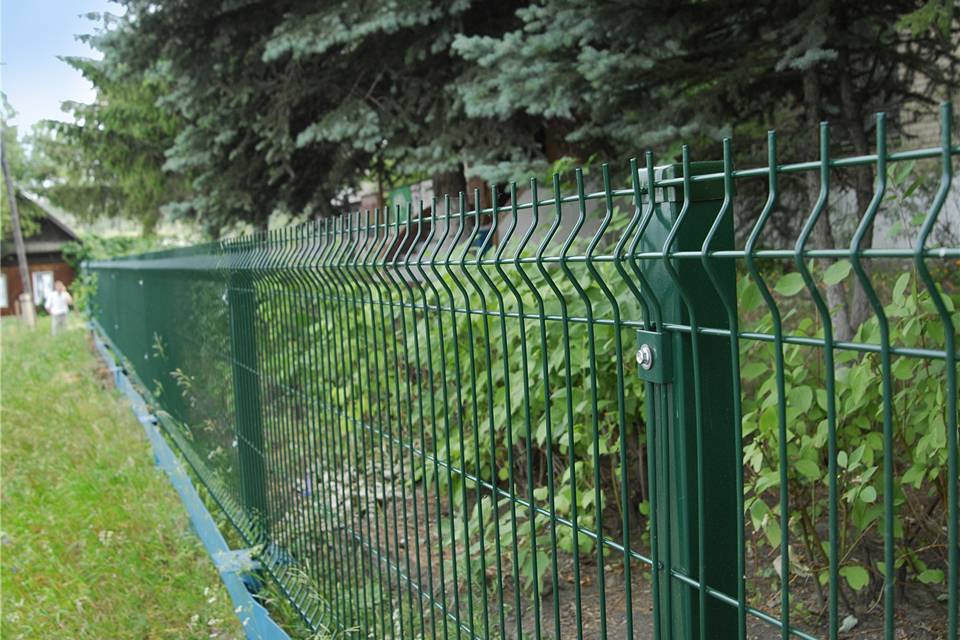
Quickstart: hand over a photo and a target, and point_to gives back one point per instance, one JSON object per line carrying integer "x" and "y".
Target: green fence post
{"x": 242, "y": 304}
{"x": 666, "y": 357}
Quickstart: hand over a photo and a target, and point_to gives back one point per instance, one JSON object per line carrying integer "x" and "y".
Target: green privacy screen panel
{"x": 680, "y": 401}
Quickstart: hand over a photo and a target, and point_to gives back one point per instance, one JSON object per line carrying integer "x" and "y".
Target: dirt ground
{"x": 919, "y": 614}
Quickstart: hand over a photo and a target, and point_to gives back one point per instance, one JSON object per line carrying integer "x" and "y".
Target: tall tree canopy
{"x": 238, "y": 108}
{"x": 111, "y": 161}
{"x": 289, "y": 104}
{"x": 621, "y": 75}
{"x": 22, "y": 174}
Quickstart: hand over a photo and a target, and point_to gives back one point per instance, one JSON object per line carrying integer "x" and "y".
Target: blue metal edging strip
{"x": 231, "y": 564}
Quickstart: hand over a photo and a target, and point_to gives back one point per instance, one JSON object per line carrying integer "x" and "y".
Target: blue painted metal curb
{"x": 232, "y": 565}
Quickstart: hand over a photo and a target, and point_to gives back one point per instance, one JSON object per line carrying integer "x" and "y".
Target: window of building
{"x": 42, "y": 283}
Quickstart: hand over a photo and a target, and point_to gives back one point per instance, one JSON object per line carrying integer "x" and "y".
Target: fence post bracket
{"x": 654, "y": 358}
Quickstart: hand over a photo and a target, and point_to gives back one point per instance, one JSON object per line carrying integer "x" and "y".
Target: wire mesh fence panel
{"x": 660, "y": 401}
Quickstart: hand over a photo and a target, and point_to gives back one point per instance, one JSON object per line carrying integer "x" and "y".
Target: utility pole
{"x": 26, "y": 298}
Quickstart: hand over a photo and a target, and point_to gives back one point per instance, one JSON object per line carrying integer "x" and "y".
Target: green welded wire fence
{"x": 590, "y": 412}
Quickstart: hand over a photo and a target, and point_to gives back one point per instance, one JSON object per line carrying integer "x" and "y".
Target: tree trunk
{"x": 860, "y": 308}
{"x": 823, "y": 231}
{"x": 26, "y": 299}
{"x": 451, "y": 183}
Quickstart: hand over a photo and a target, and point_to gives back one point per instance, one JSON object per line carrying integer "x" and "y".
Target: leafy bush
{"x": 919, "y": 454}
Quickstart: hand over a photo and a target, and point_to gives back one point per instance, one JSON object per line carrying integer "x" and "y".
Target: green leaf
{"x": 900, "y": 288}
{"x": 749, "y": 296}
{"x": 857, "y": 577}
{"x": 790, "y": 284}
{"x": 836, "y": 272}
{"x": 820, "y": 436}
{"x": 752, "y": 370}
{"x": 913, "y": 475}
{"x": 768, "y": 419}
{"x": 857, "y": 455}
{"x": 868, "y": 494}
{"x": 809, "y": 469}
{"x": 931, "y": 576}
{"x": 903, "y": 369}
{"x": 822, "y": 399}
{"x": 773, "y": 533}
{"x": 801, "y": 398}
{"x": 842, "y": 459}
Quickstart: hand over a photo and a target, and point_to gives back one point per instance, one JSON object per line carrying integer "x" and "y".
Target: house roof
{"x": 50, "y": 236}
{"x": 60, "y": 224}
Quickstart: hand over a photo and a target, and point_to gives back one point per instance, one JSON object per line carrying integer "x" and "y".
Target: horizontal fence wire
{"x": 700, "y": 405}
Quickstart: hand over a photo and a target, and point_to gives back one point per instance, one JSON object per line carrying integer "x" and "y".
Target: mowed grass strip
{"x": 94, "y": 542}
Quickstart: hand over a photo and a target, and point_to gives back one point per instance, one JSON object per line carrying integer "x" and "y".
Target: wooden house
{"x": 44, "y": 248}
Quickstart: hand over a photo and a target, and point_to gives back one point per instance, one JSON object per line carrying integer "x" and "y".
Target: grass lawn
{"x": 94, "y": 542}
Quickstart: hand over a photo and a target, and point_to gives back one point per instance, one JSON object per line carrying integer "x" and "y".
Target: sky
{"x": 32, "y": 34}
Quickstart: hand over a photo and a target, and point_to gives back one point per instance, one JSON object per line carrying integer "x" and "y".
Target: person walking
{"x": 57, "y": 303}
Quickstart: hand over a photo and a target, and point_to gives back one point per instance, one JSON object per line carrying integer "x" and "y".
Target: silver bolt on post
{"x": 645, "y": 357}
